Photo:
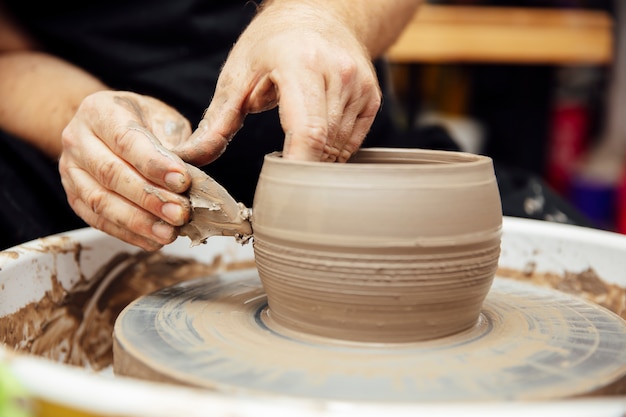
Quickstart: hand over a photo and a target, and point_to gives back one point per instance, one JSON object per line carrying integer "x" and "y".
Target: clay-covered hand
{"x": 303, "y": 58}
{"x": 117, "y": 171}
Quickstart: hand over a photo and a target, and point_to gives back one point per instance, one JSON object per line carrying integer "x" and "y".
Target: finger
{"x": 114, "y": 215}
{"x": 356, "y": 123}
{"x": 116, "y": 175}
{"x": 155, "y": 163}
{"x": 114, "y": 230}
{"x": 343, "y": 95}
{"x": 221, "y": 121}
{"x": 354, "y": 99}
{"x": 339, "y": 123}
{"x": 129, "y": 138}
{"x": 303, "y": 114}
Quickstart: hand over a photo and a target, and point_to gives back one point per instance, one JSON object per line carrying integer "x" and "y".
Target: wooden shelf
{"x": 505, "y": 35}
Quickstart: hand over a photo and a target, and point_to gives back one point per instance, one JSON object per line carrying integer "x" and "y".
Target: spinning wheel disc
{"x": 530, "y": 343}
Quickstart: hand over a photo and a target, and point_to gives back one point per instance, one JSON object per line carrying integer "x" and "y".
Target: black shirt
{"x": 171, "y": 49}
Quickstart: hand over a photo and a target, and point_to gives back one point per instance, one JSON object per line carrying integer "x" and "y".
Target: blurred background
{"x": 538, "y": 85}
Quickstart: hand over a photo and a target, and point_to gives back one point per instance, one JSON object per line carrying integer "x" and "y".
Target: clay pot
{"x": 396, "y": 245}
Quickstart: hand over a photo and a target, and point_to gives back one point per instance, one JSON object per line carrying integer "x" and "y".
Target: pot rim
{"x": 398, "y": 158}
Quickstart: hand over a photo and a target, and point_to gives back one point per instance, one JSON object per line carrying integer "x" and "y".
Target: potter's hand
{"x": 116, "y": 170}
{"x": 303, "y": 58}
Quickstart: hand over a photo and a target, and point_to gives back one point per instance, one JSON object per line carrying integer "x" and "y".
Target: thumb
{"x": 221, "y": 121}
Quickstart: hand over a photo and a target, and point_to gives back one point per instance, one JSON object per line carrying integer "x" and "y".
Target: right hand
{"x": 118, "y": 171}
{"x": 301, "y": 57}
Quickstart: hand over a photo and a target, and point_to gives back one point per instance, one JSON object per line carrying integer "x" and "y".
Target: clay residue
{"x": 9, "y": 254}
{"x": 75, "y": 326}
{"x": 586, "y": 284}
{"x": 214, "y": 211}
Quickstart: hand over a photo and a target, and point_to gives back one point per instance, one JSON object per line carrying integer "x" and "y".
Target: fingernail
{"x": 163, "y": 230}
{"x": 173, "y": 213}
{"x": 175, "y": 180}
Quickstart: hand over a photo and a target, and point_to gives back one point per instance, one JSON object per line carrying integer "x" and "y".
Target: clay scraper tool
{"x": 214, "y": 212}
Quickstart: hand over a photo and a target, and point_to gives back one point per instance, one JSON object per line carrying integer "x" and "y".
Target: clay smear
{"x": 586, "y": 284}
{"x": 214, "y": 211}
{"x": 75, "y": 326}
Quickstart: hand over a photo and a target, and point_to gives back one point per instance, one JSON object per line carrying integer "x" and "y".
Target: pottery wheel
{"x": 530, "y": 343}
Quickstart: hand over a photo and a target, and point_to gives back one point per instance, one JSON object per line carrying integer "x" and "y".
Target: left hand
{"x": 117, "y": 171}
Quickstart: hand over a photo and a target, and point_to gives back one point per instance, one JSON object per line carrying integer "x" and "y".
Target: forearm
{"x": 40, "y": 95}
{"x": 376, "y": 23}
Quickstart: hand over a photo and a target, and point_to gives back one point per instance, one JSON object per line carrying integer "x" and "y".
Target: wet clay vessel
{"x": 396, "y": 245}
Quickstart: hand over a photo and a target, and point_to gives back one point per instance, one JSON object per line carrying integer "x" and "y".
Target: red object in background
{"x": 567, "y": 141}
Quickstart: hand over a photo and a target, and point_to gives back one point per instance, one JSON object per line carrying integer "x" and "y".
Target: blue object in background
{"x": 596, "y": 199}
